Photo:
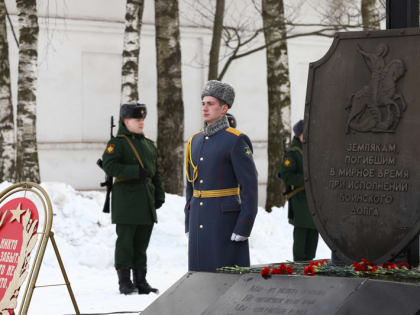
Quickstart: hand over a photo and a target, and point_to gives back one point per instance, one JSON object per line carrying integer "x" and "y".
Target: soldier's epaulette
{"x": 236, "y": 132}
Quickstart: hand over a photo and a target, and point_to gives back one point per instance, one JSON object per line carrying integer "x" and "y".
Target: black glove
{"x": 143, "y": 173}
{"x": 158, "y": 204}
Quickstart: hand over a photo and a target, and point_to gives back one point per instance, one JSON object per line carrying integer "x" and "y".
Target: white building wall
{"x": 80, "y": 78}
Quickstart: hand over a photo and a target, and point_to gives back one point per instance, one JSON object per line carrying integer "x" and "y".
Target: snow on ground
{"x": 86, "y": 237}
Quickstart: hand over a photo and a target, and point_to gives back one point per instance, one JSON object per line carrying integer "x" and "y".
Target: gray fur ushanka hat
{"x": 219, "y": 90}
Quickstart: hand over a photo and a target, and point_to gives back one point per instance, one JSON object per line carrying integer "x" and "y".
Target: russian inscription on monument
{"x": 252, "y": 294}
{"x": 369, "y": 180}
{"x": 361, "y": 148}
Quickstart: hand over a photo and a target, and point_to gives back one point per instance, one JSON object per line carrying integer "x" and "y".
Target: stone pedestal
{"x": 230, "y": 294}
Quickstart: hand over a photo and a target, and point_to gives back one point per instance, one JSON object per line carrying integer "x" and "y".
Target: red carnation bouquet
{"x": 364, "y": 268}
{"x": 314, "y": 267}
{"x": 282, "y": 269}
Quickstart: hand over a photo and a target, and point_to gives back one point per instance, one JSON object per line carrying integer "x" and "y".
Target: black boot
{"x": 126, "y": 286}
{"x": 140, "y": 282}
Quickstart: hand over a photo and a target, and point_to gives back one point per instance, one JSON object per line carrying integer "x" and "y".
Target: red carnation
{"x": 314, "y": 263}
{"x": 374, "y": 268}
{"x": 289, "y": 270}
{"x": 363, "y": 266}
{"x": 357, "y": 266}
{"x": 404, "y": 265}
{"x": 265, "y": 272}
{"x": 387, "y": 265}
{"x": 276, "y": 271}
{"x": 282, "y": 268}
{"x": 309, "y": 271}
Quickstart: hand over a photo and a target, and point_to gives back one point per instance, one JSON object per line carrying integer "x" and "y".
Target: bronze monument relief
{"x": 360, "y": 148}
{"x": 377, "y": 106}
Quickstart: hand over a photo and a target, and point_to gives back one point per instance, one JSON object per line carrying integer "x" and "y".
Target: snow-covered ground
{"x": 86, "y": 237}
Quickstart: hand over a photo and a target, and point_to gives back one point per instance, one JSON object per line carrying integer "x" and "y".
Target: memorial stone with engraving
{"x": 361, "y": 151}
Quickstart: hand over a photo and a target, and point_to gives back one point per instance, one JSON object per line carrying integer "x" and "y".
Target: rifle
{"x": 108, "y": 178}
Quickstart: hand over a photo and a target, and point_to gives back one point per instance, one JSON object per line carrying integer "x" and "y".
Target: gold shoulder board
{"x": 236, "y": 132}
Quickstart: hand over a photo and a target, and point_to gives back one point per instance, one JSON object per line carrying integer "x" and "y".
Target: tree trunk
{"x": 370, "y": 16}
{"x": 7, "y": 128}
{"x": 131, "y": 50}
{"x": 170, "y": 105}
{"x": 278, "y": 96}
{"x": 27, "y": 167}
{"x": 217, "y": 37}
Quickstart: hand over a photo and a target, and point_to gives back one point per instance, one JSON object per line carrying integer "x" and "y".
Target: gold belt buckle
{"x": 199, "y": 193}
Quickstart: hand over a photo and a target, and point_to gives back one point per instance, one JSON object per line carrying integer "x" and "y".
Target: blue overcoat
{"x": 224, "y": 160}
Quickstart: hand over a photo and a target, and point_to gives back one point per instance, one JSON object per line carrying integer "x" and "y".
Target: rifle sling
{"x": 294, "y": 192}
{"x": 134, "y": 150}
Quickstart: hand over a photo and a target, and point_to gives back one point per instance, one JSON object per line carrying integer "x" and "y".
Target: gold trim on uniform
{"x": 110, "y": 148}
{"x": 216, "y": 193}
{"x": 188, "y": 160}
{"x": 236, "y": 132}
{"x": 287, "y": 162}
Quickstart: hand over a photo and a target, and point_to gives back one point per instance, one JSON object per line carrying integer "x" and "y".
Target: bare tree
{"x": 278, "y": 83}
{"x": 27, "y": 165}
{"x": 170, "y": 105}
{"x": 131, "y": 51}
{"x": 370, "y": 15}
{"x": 347, "y": 14}
{"x": 216, "y": 40}
{"x": 7, "y": 128}
{"x": 242, "y": 32}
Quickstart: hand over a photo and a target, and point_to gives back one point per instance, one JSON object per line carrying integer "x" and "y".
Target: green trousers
{"x": 131, "y": 245}
{"x": 305, "y": 242}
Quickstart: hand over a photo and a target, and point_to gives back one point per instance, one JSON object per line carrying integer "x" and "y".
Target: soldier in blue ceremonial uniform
{"x": 219, "y": 215}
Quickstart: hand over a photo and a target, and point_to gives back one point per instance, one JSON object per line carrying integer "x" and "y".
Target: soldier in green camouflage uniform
{"x": 305, "y": 235}
{"x": 137, "y": 192}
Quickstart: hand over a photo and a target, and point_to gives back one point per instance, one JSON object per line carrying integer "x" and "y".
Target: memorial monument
{"x": 361, "y": 149}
